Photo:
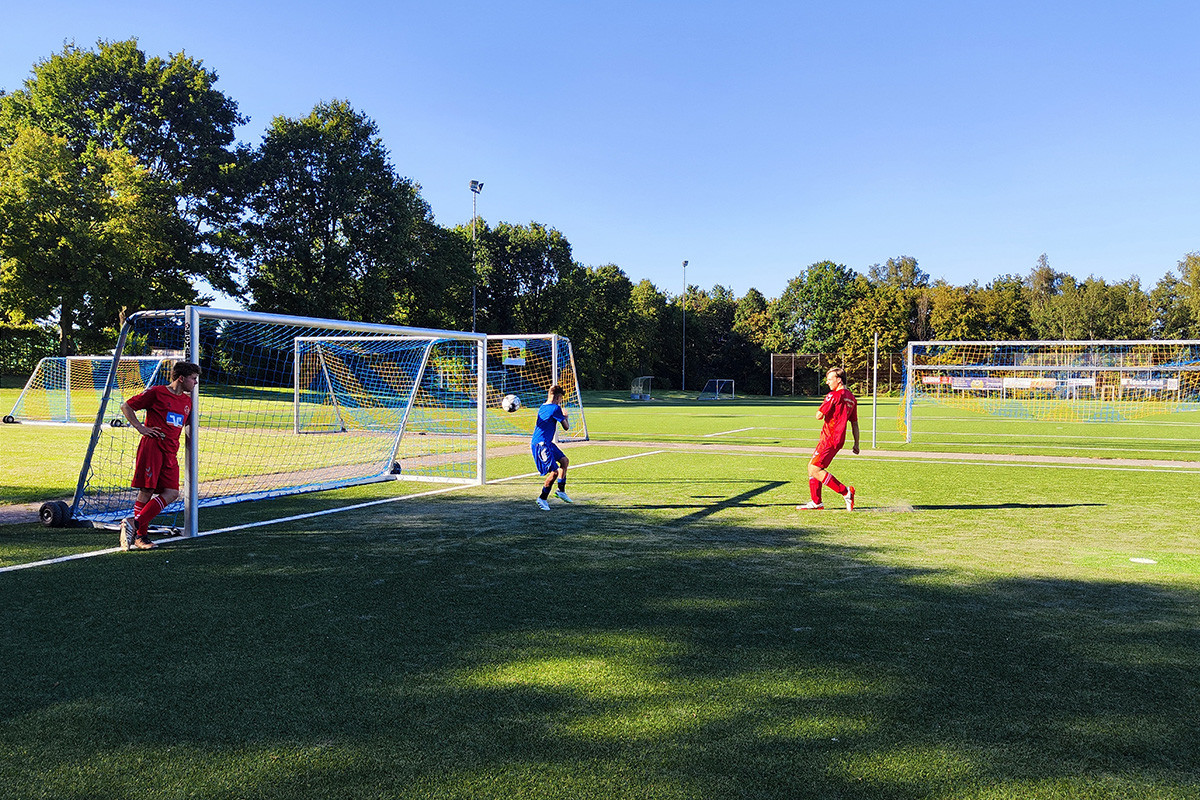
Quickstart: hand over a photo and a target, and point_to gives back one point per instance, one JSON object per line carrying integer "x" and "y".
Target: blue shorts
{"x": 546, "y": 456}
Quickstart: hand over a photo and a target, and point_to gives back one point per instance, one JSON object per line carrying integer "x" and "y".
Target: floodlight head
{"x": 476, "y": 186}
{"x": 685, "y": 263}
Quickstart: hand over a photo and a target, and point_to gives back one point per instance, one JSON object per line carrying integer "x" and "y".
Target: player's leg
{"x": 818, "y": 476}
{"x": 544, "y": 461}
{"x": 166, "y": 492}
{"x": 561, "y": 494}
{"x": 146, "y": 469}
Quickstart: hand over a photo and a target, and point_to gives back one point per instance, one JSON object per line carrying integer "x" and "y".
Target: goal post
{"x": 718, "y": 389}
{"x": 68, "y": 389}
{"x": 527, "y": 365}
{"x": 1072, "y": 381}
{"x": 407, "y": 403}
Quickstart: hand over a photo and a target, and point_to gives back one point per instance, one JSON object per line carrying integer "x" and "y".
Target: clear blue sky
{"x": 751, "y": 139}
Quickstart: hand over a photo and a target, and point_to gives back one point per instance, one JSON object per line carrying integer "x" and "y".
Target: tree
{"x": 333, "y": 231}
{"x": 168, "y": 116}
{"x": 900, "y": 272}
{"x": 1175, "y": 302}
{"x": 1004, "y": 309}
{"x": 520, "y": 266}
{"x": 884, "y": 309}
{"x": 597, "y": 317}
{"x": 812, "y": 304}
{"x": 80, "y": 236}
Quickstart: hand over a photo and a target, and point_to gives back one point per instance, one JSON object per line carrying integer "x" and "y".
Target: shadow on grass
{"x": 995, "y": 506}
{"x": 474, "y": 648}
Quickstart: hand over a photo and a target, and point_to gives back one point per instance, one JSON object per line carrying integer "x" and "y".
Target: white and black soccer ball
{"x": 510, "y": 403}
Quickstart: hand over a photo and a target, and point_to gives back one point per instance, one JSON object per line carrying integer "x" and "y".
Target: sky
{"x": 751, "y": 139}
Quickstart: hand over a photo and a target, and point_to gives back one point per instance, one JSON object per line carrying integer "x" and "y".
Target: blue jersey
{"x": 548, "y": 417}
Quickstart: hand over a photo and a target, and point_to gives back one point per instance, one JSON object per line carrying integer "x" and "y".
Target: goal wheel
{"x": 116, "y": 422}
{"x": 53, "y": 514}
{"x": 9, "y": 419}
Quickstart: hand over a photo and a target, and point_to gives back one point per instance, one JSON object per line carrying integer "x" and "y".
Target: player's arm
{"x": 131, "y": 416}
{"x": 854, "y": 429}
{"x": 566, "y": 424}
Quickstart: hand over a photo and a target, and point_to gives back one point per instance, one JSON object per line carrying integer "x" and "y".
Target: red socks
{"x": 814, "y": 490}
{"x": 834, "y": 483}
{"x": 146, "y": 514}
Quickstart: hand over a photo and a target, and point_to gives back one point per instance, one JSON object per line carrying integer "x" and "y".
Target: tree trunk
{"x": 66, "y": 323}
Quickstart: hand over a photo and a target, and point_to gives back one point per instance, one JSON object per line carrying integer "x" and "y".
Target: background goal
{"x": 718, "y": 389}
{"x": 527, "y": 365}
{"x": 1067, "y": 381}
{"x": 69, "y": 389}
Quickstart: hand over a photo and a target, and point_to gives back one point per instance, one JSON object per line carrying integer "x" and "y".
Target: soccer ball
{"x": 510, "y": 403}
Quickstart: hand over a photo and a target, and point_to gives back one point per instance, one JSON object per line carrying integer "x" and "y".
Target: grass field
{"x": 984, "y": 628}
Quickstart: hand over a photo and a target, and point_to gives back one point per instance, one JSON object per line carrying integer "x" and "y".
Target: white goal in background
{"x": 294, "y": 404}
{"x": 1067, "y": 381}
{"x": 527, "y": 365}
{"x": 69, "y": 389}
{"x": 718, "y": 389}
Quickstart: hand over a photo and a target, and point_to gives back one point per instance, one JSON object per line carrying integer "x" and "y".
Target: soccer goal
{"x": 718, "y": 389}
{"x": 68, "y": 390}
{"x": 527, "y": 365}
{"x": 639, "y": 389}
{"x": 1067, "y": 381}
{"x": 295, "y": 404}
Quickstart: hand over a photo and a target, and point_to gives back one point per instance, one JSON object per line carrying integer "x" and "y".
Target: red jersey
{"x": 166, "y": 411}
{"x": 839, "y": 409}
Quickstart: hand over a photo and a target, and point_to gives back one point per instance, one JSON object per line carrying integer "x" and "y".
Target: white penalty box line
{"x": 313, "y": 514}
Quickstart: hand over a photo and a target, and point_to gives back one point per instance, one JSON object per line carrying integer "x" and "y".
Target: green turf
{"x": 974, "y": 630}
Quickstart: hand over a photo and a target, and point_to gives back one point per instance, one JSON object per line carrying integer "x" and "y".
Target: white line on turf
{"x": 324, "y": 512}
{"x": 722, "y": 433}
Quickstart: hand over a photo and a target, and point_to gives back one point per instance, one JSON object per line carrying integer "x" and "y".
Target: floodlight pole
{"x": 476, "y": 188}
{"x": 683, "y": 354}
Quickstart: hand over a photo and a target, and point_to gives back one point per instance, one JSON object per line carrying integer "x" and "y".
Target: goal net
{"x": 1067, "y": 381}
{"x": 717, "y": 389}
{"x": 527, "y": 365}
{"x": 294, "y": 404}
{"x": 69, "y": 389}
{"x": 639, "y": 388}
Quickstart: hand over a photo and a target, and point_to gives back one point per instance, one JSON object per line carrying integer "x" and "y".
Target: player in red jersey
{"x": 840, "y": 407}
{"x": 156, "y": 472}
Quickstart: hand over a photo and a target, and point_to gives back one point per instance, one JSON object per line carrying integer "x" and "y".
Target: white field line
{"x": 921, "y": 460}
{"x": 580, "y": 466}
{"x": 722, "y": 433}
{"x": 309, "y": 515}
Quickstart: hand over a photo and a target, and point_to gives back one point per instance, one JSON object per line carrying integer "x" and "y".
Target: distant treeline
{"x": 122, "y": 187}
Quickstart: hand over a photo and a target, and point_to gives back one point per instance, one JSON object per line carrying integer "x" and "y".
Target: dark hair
{"x": 184, "y": 368}
{"x": 556, "y": 389}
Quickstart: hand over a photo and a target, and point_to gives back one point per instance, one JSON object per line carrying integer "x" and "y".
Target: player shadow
{"x": 997, "y": 506}
{"x": 706, "y": 507}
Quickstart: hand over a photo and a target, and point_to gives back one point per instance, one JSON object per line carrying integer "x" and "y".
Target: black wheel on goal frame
{"x": 53, "y": 514}
{"x": 9, "y": 419}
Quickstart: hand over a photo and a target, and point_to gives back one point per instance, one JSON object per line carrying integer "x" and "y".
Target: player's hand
{"x": 153, "y": 433}
{"x": 854, "y": 450}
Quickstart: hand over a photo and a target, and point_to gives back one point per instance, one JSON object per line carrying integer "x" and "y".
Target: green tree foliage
{"x": 81, "y": 236}
{"x": 1175, "y": 301}
{"x": 900, "y": 272}
{"x": 167, "y": 114}
{"x": 812, "y": 305}
{"x": 881, "y": 308}
{"x": 333, "y": 231}
{"x": 597, "y": 318}
{"x": 520, "y": 267}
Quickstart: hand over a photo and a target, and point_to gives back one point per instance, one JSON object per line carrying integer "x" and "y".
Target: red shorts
{"x": 823, "y": 455}
{"x": 155, "y": 469}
